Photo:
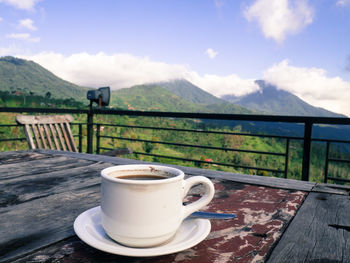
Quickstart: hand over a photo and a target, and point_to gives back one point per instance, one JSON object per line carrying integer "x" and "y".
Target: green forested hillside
{"x": 151, "y": 98}
{"x": 27, "y": 78}
{"x": 186, "y": 90}
{"x": 156, "y": 98}
{"x": 23, "y": 76}
{"x": 26, "y": 84}
{"x": 143, "y": 141}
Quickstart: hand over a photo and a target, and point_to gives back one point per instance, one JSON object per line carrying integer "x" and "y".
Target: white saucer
{"x": 89, "y": 229}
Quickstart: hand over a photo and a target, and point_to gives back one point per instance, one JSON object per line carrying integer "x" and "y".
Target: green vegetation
{"x": 157, "y": 98}
{"x": 23, "y": 76}
{"x": 211, "y": 157}
{"x": 26, "y": 84}
{"x": 208, "y": 157}
{"x": 19, "y": 99}
{"x": 31, "y": 100}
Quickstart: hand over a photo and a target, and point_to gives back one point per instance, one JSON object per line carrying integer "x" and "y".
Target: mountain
{"x": 23, "y": 76}
{"x": 157, "y": 97}
{"x": 19, "y": 76}
{"x": 271, "y": 100}
{"x": 150, "y": 98}
{"x": 186, "y": 90}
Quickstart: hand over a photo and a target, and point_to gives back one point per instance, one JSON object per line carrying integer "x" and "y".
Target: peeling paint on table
{"x": 263, "y": 213}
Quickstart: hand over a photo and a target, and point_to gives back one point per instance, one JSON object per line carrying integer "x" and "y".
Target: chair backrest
{"x": 50, "y": 132}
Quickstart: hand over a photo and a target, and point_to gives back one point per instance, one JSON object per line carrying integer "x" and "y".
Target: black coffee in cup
{"x": 141, "y": 177}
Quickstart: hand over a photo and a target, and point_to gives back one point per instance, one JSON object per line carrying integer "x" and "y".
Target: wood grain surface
{"x": 43, "y": 191}
{"x": 319, "y": 233}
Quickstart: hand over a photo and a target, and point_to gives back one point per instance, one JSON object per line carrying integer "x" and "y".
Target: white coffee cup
{"x": 146, "y": 213}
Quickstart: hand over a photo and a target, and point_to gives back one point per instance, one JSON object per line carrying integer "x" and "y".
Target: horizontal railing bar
{"x": 217, "y": 163}
{"x": 339, "y": 160}
{"x": 78, "y": 123}
{"x": 9, "y": 125}
{"x": 193, "y": 146}
{"x": 223, "y": 116}
{"x": 202, "y": 131}
{"x": 18, "y": 125}
{"x": 339, "y": 179}
{"x": 44, "y": 110}
{"x": 12, "y": 139}
{"x": 200, "y": 161}
{"x": 217, "y": 116}
{"x": 330, "y": 140}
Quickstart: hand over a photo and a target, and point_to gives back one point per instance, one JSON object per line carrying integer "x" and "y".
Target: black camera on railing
{"x": 101, "y": 96}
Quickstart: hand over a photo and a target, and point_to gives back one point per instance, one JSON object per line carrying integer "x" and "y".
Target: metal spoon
{"x": 210, "y": 215}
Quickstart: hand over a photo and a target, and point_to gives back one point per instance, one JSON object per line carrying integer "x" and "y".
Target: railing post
{"x": 90, "y": 131}
{"x": 306, "y": 151}
{"x": 326, "y": 163}
{"x": 98, "y": 127}
{"x": 80, "y": 137}
{"x": 286, "y": 159}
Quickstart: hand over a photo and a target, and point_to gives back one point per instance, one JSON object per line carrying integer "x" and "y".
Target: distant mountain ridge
{"x": 186, "y": 90}
{"x": 270, "y": 100}
{"x": 20, "y": 75}
{"x": 164, "y": 96}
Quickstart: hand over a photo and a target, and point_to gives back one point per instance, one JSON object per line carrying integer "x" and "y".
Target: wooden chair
{"x": 53, "y": 132}
{"x": 48, "y": 132}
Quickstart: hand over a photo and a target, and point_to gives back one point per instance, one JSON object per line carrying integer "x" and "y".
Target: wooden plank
{"x": 34, "y": 166}
{"x": 70, "y": 137}
{"x": 42, "y": 137}
{"x": 29, "y": 136}
{"x": 41, "y": 222}
{"x": 48, "y": 137}
{"x": 241, "y": 178}
{"x": 332, "y": 189}
{"x": 16, "y": 157}
{"x": 64, "y": 132}
{"x": 54, "y": 136}
{"x": 43, "y": 119}
{"x": 320, "y": 232}
{"x": 35, "y": 129}
{"x": 19, "y": 190}
{"x": 60, "y": 137}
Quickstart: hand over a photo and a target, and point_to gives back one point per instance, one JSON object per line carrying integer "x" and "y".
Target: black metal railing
{"x": 283, "y": 154}
{"x": 307, "y": 123}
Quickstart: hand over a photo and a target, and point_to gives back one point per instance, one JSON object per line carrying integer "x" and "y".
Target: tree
{"x": 48, "y": 95}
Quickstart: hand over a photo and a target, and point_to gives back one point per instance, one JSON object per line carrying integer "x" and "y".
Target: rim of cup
{"x": 177, "y": 174}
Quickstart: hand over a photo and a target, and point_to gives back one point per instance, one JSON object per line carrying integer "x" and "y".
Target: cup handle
{"x": 204, "y": 200}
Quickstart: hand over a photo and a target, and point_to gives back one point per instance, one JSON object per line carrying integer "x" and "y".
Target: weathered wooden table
{"x": 278, "y": 220}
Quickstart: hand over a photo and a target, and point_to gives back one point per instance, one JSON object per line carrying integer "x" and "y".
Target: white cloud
{"x": 343, "y": 2}
{"x": 27, "y": 23}
{"x": 19, "y": 36}
{"x": 116, "y": 71}
{"x": 211, "y": 53}
{"x": 21, "y": 4}
{"x": 278, "y": 18}
{"x": 125, "y": 70}
{"x": 312, "y": 85}
{"x": 1, "y": 19}
{"x": 23, "y": 36}
{"x": 222, "y": 85}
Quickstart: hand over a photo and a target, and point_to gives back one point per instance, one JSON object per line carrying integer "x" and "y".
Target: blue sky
{"x": 222, "y": 46}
